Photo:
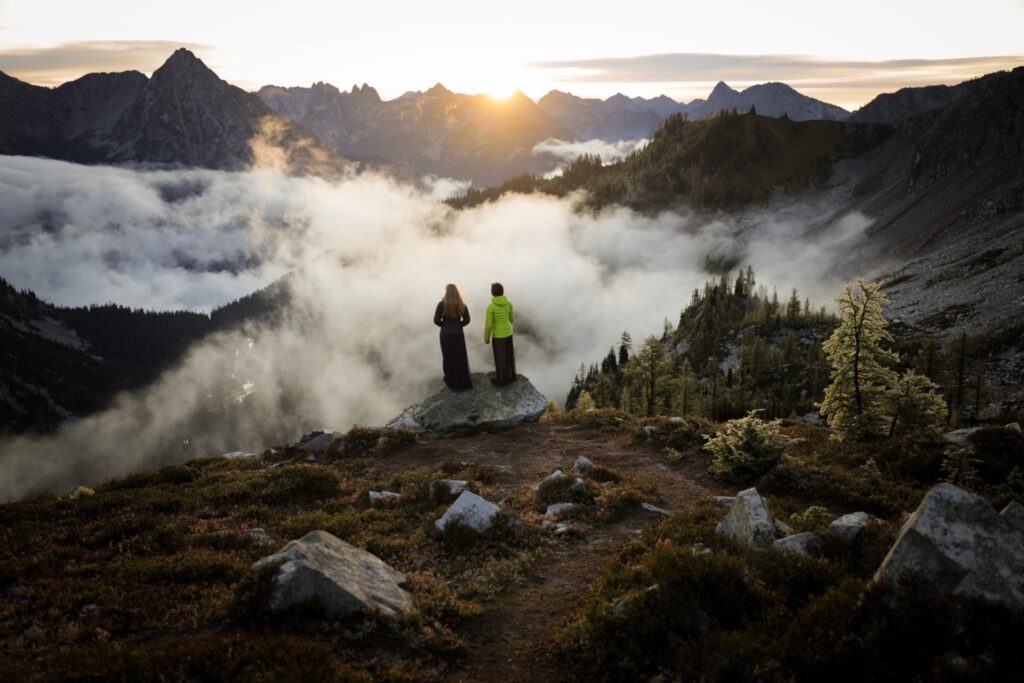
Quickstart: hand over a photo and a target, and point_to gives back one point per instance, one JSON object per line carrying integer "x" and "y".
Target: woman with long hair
{"x": 500, "y": 316}
{"x": 451, "y": 316}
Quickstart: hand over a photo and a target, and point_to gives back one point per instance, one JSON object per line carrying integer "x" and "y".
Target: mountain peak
{"x": 438, "y": 89}
{"x": 721, "y": 89}
{"x": 183, "y": 61}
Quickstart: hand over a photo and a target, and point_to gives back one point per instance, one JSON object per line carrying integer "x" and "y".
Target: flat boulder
{"x": 322, "y": 570}
{"x": 957, "y": 543}
{"x": 748, "y": 522}
{"x": 485, "y": 407}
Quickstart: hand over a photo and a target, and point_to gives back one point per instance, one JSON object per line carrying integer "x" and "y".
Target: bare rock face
{"x": 957, "y": 542}
{"x": 321, "y": 569}
{"x": 485, "y": 407}
{"x": 749, "y": 522}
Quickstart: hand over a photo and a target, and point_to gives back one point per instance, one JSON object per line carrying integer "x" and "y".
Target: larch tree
{"x": 915, "y": 404}
{"x": 855, "y": 403}
{"x": 649, "y": 373}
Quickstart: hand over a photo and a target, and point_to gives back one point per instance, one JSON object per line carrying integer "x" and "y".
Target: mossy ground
{"x": 147, "y": 578}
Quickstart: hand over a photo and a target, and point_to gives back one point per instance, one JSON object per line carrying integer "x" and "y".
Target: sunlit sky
{"x": 841, "y": 52}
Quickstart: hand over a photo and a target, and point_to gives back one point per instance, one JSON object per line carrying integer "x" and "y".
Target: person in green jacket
{"x": 500, "y": 316}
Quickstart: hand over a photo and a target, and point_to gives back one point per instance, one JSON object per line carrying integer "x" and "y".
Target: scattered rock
{"x": 259, "y": 535}
{"x": 382, "y": 499}
{"x": 960, "y": 437}
{"x": 33, "y": 632}
{"x": 957, "y": 543}
{"x": 676, "y": 420}
{"x": 724, "y": 501}
{"x": 783, "y": 528}
{"x": 88, "y": 609}
{"x": 238, "y": 455}
{"x": 311, "y": 458}
{"x": 1015, "y": 426}
{"x": 699, "y": 550}
{"x": 655, "y": 509}
{"x": 471, "y": 511}
{"x": 650, "y": 431}
{"x": 446, "y": 490}
{"x": 805, "y": 543}
{"x": 559, "y": 510}
{"x": 578, "y": 491}
{"x": 316, "y": 441}
{"x": 584, "y": 466}
{"x": 749, "y": 522}
{"x": 559, "y": 528}
{"x": 484, "y": 407}
{"x": 812, "y": 419}
{"x": 849, "y": 526}
{"x": 324, "y": 570}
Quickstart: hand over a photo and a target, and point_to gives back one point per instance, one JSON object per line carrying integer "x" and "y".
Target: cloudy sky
{"x": 841, "y": 52}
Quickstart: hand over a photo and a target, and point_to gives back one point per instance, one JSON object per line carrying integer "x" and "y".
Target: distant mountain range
{"x": 185, "y": 115}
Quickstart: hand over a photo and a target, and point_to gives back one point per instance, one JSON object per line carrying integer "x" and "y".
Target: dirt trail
{"x": 511, "y": 641}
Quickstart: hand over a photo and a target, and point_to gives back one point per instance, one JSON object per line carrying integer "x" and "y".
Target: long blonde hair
{"x": 454, "y": 308}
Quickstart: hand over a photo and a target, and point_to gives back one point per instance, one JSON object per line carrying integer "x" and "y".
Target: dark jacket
{"x": 448, "y": 325}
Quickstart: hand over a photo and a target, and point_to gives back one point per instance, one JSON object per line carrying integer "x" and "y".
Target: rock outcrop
{"x": 484, "y": 407}
{"x": 749, "y": 522}
{"x": 323, "y": 571}
{"x": 957, "y": 543}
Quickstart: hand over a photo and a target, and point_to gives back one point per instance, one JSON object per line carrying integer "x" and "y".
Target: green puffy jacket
{"x": 500, "y": 317}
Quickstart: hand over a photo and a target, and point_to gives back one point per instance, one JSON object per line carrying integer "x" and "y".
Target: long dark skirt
{"x": 504, "y": 360}
{"x": 455, "y": 361}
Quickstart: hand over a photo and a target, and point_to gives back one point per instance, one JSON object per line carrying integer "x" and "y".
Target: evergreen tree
{"x": 649, "y": 373}
{"x": 625, "y": 346}
{"x": 915, "y": 404}
{"x": 585, "y": 402}
{"x": 855, "y": 402}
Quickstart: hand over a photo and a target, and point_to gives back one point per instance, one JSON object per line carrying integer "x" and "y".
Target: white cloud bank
{"x": 369, "y": 260}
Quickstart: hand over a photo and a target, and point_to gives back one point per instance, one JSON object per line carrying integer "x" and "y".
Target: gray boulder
{"x": 584, "y": 466}
{"x": 806, "y": 543}
{"x": 383, "y": 499}
{"x": 1015, "y": 426}
{"x": 446, "y": 490}
{"x": 316, "y": 441}
{"x": 957, "y": 543}
{"x": 559, "y": 510}
{"x": 650, "y": 431}
{"x": 748, "y": 522}
{"x": 960, "y": 437}
{"x": 322, "y": 569}
{"x": 849, "y": 526}
{"x": 485, "y": 407}
{"x": 1013, "y": 514}
{"x": 471, "y": 511}
{"x": 724, "y": 501}
{"x": 676, "y": 420}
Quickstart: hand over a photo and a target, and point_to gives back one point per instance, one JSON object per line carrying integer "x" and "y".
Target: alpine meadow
{"x": 584, "y": 342}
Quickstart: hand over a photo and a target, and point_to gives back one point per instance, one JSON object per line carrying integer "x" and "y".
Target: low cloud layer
{"x": 609, "y": 152}
{"x": 368, "y": 260}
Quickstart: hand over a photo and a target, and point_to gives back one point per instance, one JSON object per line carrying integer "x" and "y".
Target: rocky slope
{"x": 183, "y": 116}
